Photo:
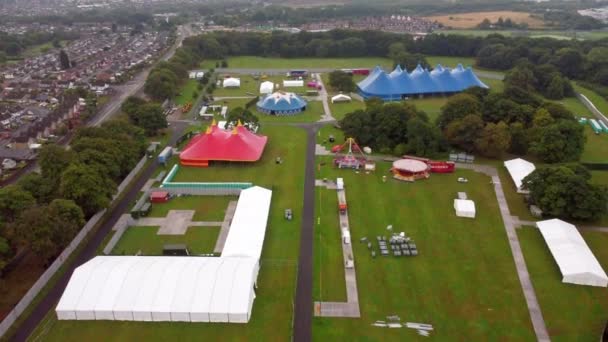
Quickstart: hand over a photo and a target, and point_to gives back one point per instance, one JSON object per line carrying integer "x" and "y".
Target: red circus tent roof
{"x": 217, "y": 144}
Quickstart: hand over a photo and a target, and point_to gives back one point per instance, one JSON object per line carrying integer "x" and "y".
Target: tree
{"x": 242, "y": 115}
{"x": 423, "y": 138}
{"x": 13, "y": 201}
{"x": 396, "y": 49}
{"x": 494, "y": 140}
{"x": 66, "y": 219}
{"x": 114, "y": 27}
{"x": 542, "y": 118}
{"x": 521, "y": 77}
{"x": 53, "y": 160}
{"x": 464, "y": 132}
{"x": 566, "y": 192}
{"x": 161, "y": 84}
{"x": 555, "y": 90}
{"x": 132, "y": 105}
{"x": 151, "y": 118}
{"x": 519, "y": 138}
{"x": 87, "y": 187}
{"x": 457, "y": 107}
{"x": 43, "y": 189}
{"x": 485, "y": 24}
{"x": 64, "y": 60}
{"x": 410, "y": 61}
{"x": 560, "y": 142}
{"x": 341, "y": 81}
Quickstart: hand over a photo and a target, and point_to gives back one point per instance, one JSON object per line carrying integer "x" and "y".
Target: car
{"x": 288, "y": 214}
{"x": 462, "y": 180}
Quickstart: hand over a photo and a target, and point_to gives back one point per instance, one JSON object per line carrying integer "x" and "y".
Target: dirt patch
{"x": 472, "y": 19}
{"x": 17, "y": 282}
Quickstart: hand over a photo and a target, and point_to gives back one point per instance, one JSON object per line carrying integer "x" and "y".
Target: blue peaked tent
{"x": 400, "y": 84}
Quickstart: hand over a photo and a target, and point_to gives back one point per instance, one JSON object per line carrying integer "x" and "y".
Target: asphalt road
{"x": 303, "y": 305}
{"x": 52, "y": 297}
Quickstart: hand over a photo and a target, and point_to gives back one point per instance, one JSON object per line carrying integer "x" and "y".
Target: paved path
{"x": 89, "y": 248}
{"x": 536, "y": 316}
{"x": 221, "y": 239}
{"x": 350, "y": 308}
{"x": 324, "y": 99}
{"x": 302, "y": 329}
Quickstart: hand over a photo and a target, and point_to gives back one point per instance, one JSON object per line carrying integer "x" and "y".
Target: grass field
{"x": 185, "y": 93}
{"x": 450, "y": 62}
{"x": 276, "y": 282}
{"x": 339, "y": 110}
{"x": 470, "y": 20}
{"x": 600, "y": 103}
{"x": 571, "y": 312}
{"x": 251, "y": 62}
{"x": 463, "y": 282}
{"x": 206, "y": 208}
{"x": 200, "y": 240}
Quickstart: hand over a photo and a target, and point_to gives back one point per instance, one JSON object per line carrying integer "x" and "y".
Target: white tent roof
{"x": 266, "y": 87}
{"x": 340, "y": 98}
{"x": 248, "y": 227}
{"x": 231, "y": 82}
{"x": 519, "y": 169}
{"x": 147, "y": 288}
{"x": 293, "y": 83}
{"x": 464, "y": 208}
{"x": 574, "y": 258}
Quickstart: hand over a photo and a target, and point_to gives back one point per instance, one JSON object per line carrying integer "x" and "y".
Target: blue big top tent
{"x": 400, "y": 84}
{"x": 281, "y": 103}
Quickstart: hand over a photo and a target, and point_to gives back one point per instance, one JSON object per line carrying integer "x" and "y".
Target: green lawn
{"x": 596, "y": 147}
{"x": 200, "y": 240}
{"x": 450, "y": 62}
{"x": 303, "y": 63}
{"x": 185, "y": 93}
{"x": 571, "y": 312}
{"x": 328, "y": 262}
{"x": 207, "y": 208}
{"x": 277, "y": 278}
{"x": 339, "y": 110}
{"x": 463, "y": 282}
{"x": 430, "y": 105}
{"x": 599, "y": 177}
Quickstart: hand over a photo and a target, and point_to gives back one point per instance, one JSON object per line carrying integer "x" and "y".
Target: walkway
{"x": 221, "y": 239}
{"x": 175, "y": 223}
{"x": 351, "y": 307}
{"x": 324, "y": 99}
{"x": 536, "y": 316}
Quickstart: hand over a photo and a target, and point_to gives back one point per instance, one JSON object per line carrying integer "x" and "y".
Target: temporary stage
{"x": 175, "y": 288}
{"x": 576, "y": 262}
{"x": 216, "y": 144}
{"x": 400, "y": 84}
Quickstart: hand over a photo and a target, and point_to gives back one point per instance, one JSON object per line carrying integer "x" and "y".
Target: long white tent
{"x": 518, "y": 169}
{"x": 179, "y": 289}
{"x": 464, "y": 208}
{"x": 576, "y": 262}
{"x": 156, "y": 288}
{"x": 248, "y": 227}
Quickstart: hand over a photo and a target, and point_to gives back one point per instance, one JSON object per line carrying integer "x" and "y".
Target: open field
{"x": 339, "y": 110}
{"x": 450, "y": 62}
{"x": 571, "y": 312}
{"x": 185, "y": 93}
{"x": 251, "y": 62}
{"x": 463, "y": 282}
{"x": 200, "y": 240}
{"x": 583, "y": 35}
{"x": 206, "y": 208}
{"x": 600, "y": 103}
{"x": 472, "y": 19}
{"x": 276, "y": 282}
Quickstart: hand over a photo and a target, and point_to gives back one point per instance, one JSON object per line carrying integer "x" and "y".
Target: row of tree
{"x": 149, "y": 116}
{"x": 45, "y": 210}
{"x": 13, "y": 45}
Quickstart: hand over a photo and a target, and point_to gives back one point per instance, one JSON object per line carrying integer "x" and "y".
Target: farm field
{"x": 571, "y": 312}
{"x": 470, "y": 20}
{"x": 465, "y": 254}
{"x": 276, "y": 281}
{"x": 200, "y": 240}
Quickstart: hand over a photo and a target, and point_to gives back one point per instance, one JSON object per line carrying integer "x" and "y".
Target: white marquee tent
{"x": 576, "y": 262}
{"x": 464, "y": 208}
{"x": 231, "y": 82}
{"x": 180, "y": 289}
{"x": 341, "y": 98}
{"x": 248, "y": 227}
{"x": 266, "y": 87}
{"x": 293, "y": 83}
{"x": 519, "y": 169}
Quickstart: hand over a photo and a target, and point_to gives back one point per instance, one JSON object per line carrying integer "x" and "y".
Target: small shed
{"x": 159, "y": 196}
{"x": 266, "y": 87}
{"x": 341, "y": 98}
{"x": 464, "y": 208}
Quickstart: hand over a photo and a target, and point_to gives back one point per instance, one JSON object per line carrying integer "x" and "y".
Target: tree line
{"x": 12, "y": 45}
{"x": 45, "y": 210}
